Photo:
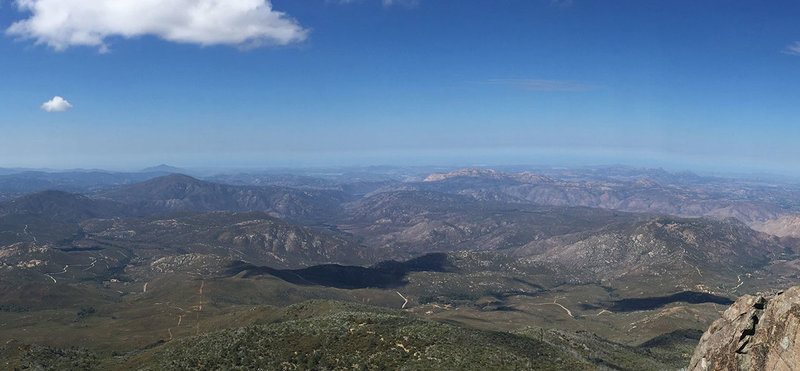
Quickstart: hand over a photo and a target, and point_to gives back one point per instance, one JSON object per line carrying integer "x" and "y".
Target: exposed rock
{"x": 755, "y": 333}
{"x": 526, "y": 177}
{"x": 784, "y": 226}
{"x": 474, "y": 173}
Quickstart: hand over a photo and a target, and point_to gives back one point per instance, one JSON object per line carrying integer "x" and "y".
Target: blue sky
{"x": 682, "y": 84}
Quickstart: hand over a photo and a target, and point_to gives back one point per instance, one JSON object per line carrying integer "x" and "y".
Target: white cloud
{"x": 243, "y": 23}
{"x": 543, "y": 85}
{"x": 793, "y": 49}
{"x": 57, "y": 104}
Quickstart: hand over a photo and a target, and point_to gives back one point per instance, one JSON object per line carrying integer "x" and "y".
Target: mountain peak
{"x": 163, "y": 168}
{"x": 173, "y": 186}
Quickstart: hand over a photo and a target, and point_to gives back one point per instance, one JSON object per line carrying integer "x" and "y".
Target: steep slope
{"x": 785, "y": 226}
{"x": 756, "y": 333}
{"x": 183, "y": 193}
{"x": 665, "y": 252}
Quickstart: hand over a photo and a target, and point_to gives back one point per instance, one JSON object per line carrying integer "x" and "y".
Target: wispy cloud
{"x": 386, "y": 3}
{"x": 793, "y": 49}
{"x": 543, "y": 85}
{"x": 57, "y": 104}
{"x": 61, "y": 24}
{"x": 400, "y": 2}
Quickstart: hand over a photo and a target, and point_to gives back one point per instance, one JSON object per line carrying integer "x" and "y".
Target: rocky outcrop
{"x": 526, "y": 177}
{"x": 472, "y": 173}
{"x": 755, "y": 333}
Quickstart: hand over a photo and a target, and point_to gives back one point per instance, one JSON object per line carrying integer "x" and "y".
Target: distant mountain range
{"x": 163, "y": 168}
{"x": 16, "y": 184}
{"x": 600, "y": 244}
{"x": 643, "y": 194}
{"x": 642, "y": 259}
{"x": 183, "y": 193}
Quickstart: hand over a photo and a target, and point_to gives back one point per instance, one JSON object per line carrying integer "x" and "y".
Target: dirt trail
{"x": 199, "y": 308}
{"x": 740, "y": 283}
{"x": 180, "y": 320}
{"x": 563, "y": 307}
{"x": 50, "y": 275}
{"x": 555, "y": 302}
{"x": 28, "y": 233}
{"x": 404, "y": 298}
{"x": 94, "y": 261}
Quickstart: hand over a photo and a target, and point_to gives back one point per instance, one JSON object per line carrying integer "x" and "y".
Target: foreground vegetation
{"x": 329, "y": 335}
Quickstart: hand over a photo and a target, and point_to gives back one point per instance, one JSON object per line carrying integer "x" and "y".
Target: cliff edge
{"x": 755, "y": 333}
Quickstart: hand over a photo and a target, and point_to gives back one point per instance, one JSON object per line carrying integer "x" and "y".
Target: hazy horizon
{"x": 421, "y": 168}
{"x": 682, "y": 85}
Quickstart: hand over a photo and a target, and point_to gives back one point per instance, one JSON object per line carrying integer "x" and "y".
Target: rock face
{"x": 755, "y": 333}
